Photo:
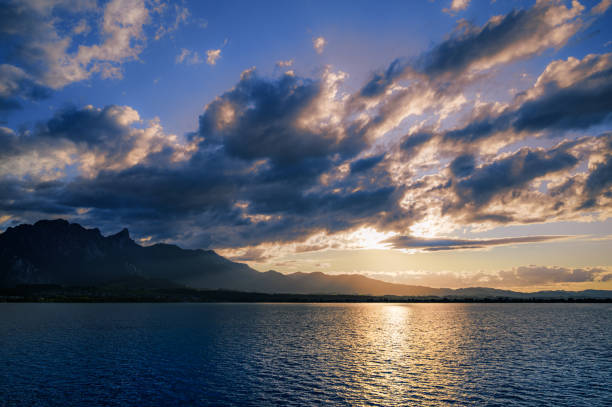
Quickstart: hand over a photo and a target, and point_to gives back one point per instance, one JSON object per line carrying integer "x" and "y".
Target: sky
{"x": 441, "y": 143}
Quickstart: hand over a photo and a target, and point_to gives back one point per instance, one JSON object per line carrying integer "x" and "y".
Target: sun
{"x": 369, "y": 238}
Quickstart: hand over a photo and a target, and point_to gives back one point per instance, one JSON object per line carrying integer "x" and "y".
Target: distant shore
{"x": 57, "y": 294}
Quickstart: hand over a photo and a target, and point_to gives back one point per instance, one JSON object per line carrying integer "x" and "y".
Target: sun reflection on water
{"x": 398, "y": 351}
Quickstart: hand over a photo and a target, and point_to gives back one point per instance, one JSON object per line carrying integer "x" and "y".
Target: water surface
{"x": 305, "y": 354}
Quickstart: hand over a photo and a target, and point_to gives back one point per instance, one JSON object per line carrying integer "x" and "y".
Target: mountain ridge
{"x": 63, "y": 253}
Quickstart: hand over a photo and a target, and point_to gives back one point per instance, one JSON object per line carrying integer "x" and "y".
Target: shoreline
{"x": 105, "y": 294}
{"x": 291, "y": 299}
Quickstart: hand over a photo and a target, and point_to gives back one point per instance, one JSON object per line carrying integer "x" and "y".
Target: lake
{"x": 305, "y": 354}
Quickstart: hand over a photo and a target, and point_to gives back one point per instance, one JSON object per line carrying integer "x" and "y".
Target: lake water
{"x": 305, "y": 354}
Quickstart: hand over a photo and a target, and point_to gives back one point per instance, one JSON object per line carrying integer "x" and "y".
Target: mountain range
{"x": 67, "y": 254}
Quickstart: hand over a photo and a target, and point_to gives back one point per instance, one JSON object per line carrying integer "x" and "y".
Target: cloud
{"x": 45, "y": 55}
{"x": 469, "y": 50}
{"x": 411, "y": 143}
{"x": 527, "y": 185}
{"x": 457, "y": 5}
{"x": 570, "y": 94}
{"x": 319, "y": 44}
{"x": 286, "y": 120}
{"x": 91, "y": 139}
{"x": 81, "y": 28}
{"x": 212, "y": 55}
{"x": 601, "y": 7}
{"x": 515, "y": 36}
{"x": 253, "y": 172}
{"x": 181, "y": 16}
{"x": 463, "y": 165}
{"x": 534, "y": 275}
{"x": 432, "y": 86}
{"x": 366, "y": 164}
{"x": 530, "y": 277}
{"x": 15, "y": 84}
{"x": 280, "y": 160}
{"x": 252, "y": 255}
{"x": 284, "y": 64}
{"x": 409, "y": 242}
{"x": 508, "y": 173}
{"x": 122, "y": 40}
{"x": 598, "y": 183}
{"x": 188, "y": 57}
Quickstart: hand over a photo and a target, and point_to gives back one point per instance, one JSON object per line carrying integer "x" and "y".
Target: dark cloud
{"x": 87, "y": 125}
{"x": 264, "y": 119}
{"x": 366, "y": 164}
{"x": 23, "y": 31}
{"x": 479, "y": 128}
{"x": 413, "y": 142}
{"x": 381, "y": 81}
{"x": 510, "y": 173}
{"x": 463, "y": 165}
{"x": 16, "y": 86}
{"x": 518, "y": 34}
{"x": 255, "y": 177}
{"x": 88, "y": 139}
{"x": 585, "y": 104}
{"x": 599, "y": 182}
{"x": 552, "y": 105}
{"x": 503, "y": 39}
{"x": 435, "y": 81}
{"x": 409, "y": 242}
{"x": 492, "y": 217}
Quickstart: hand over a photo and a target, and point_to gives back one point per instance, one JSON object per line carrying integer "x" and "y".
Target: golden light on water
{"x": 397, "y": 350}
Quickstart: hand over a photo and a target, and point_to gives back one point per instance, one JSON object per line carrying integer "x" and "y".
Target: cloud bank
{"x": 278, "y": 160}
{"x": 518, "y": 278}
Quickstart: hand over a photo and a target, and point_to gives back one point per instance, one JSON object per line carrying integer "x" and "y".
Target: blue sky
{"x": 428, "y": 142}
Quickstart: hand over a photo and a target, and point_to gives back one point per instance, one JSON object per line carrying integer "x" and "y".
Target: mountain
{"x": 62, "y": 253}
{"x": 59, "y": 252}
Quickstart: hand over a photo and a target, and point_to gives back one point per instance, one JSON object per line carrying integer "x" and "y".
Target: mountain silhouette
{"x": 62, "y": 253}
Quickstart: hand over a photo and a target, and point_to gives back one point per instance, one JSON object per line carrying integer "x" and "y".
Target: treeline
{"x": 55, "y": 293}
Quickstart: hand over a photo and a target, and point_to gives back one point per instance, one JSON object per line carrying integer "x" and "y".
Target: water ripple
{"x": 305, "y": 354}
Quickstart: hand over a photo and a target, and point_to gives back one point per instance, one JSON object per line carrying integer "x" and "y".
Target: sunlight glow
{"x": 369, "y": 238}
{"x": 432, "y": 225}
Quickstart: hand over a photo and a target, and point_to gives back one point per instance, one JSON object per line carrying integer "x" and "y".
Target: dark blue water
{"x": 305, "y": 354}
